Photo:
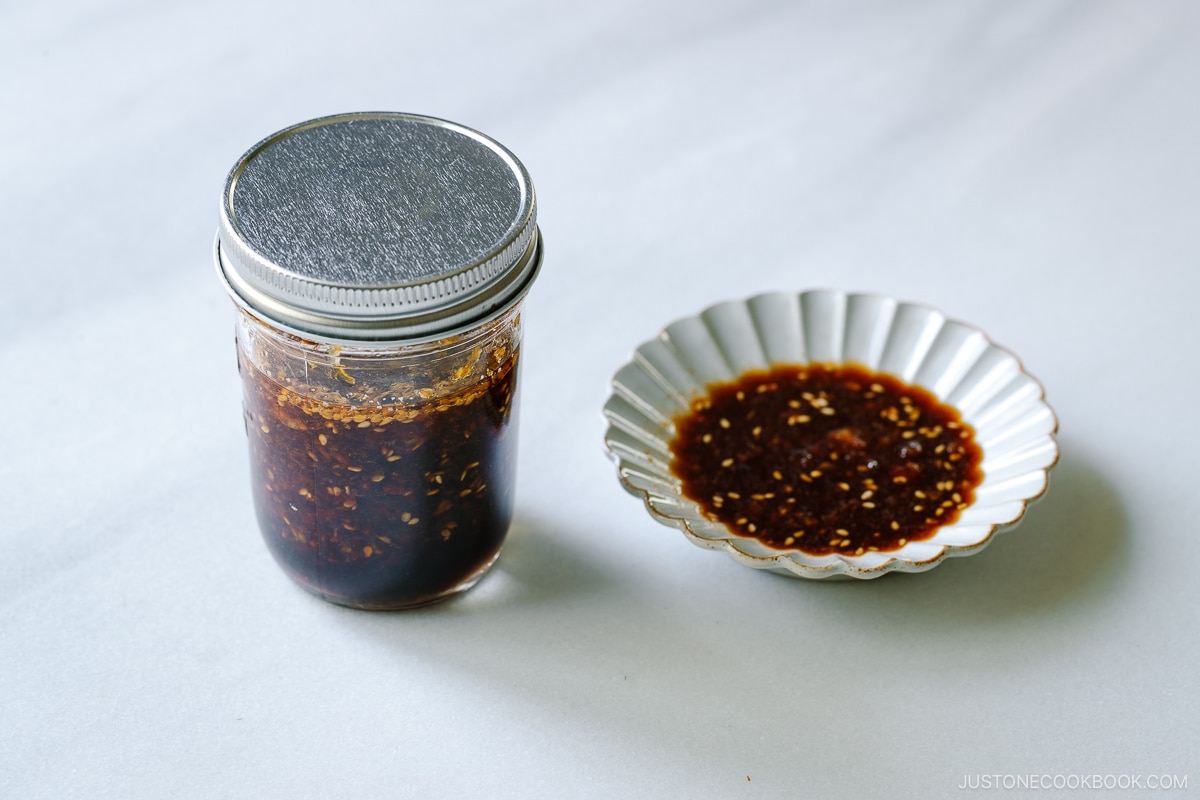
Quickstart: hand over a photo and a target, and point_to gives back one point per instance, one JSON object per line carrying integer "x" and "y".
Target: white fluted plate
{"x": 1014, "y": 426}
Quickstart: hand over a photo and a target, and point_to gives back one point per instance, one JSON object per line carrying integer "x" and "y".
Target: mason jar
{"x": 379, "y": 262}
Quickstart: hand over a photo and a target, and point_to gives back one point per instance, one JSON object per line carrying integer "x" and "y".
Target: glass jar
{"x": 380, "y": 262}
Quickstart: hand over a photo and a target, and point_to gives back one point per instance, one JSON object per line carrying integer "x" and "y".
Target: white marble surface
{"x": 1030, "y": 166}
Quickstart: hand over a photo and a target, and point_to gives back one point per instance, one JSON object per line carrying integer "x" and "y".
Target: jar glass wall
{"x": 383, "y": 473}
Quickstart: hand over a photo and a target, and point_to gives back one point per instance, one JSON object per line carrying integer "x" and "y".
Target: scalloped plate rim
{"x": 842, "y": 567}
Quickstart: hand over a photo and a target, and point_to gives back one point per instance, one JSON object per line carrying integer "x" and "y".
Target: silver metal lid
{"x": 378, "y": 226}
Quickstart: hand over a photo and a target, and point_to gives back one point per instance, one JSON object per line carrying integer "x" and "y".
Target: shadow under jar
{"x": 380, "y": 262}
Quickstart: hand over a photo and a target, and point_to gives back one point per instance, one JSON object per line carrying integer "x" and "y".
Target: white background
{"x": 1030, "y": 166}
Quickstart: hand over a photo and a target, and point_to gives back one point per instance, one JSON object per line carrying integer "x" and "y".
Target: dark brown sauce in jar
{"x": 382, "y": 505}
{"x": 826, "y": 459}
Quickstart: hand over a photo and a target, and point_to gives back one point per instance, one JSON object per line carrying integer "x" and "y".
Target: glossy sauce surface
{"x": 826, "y": 459}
